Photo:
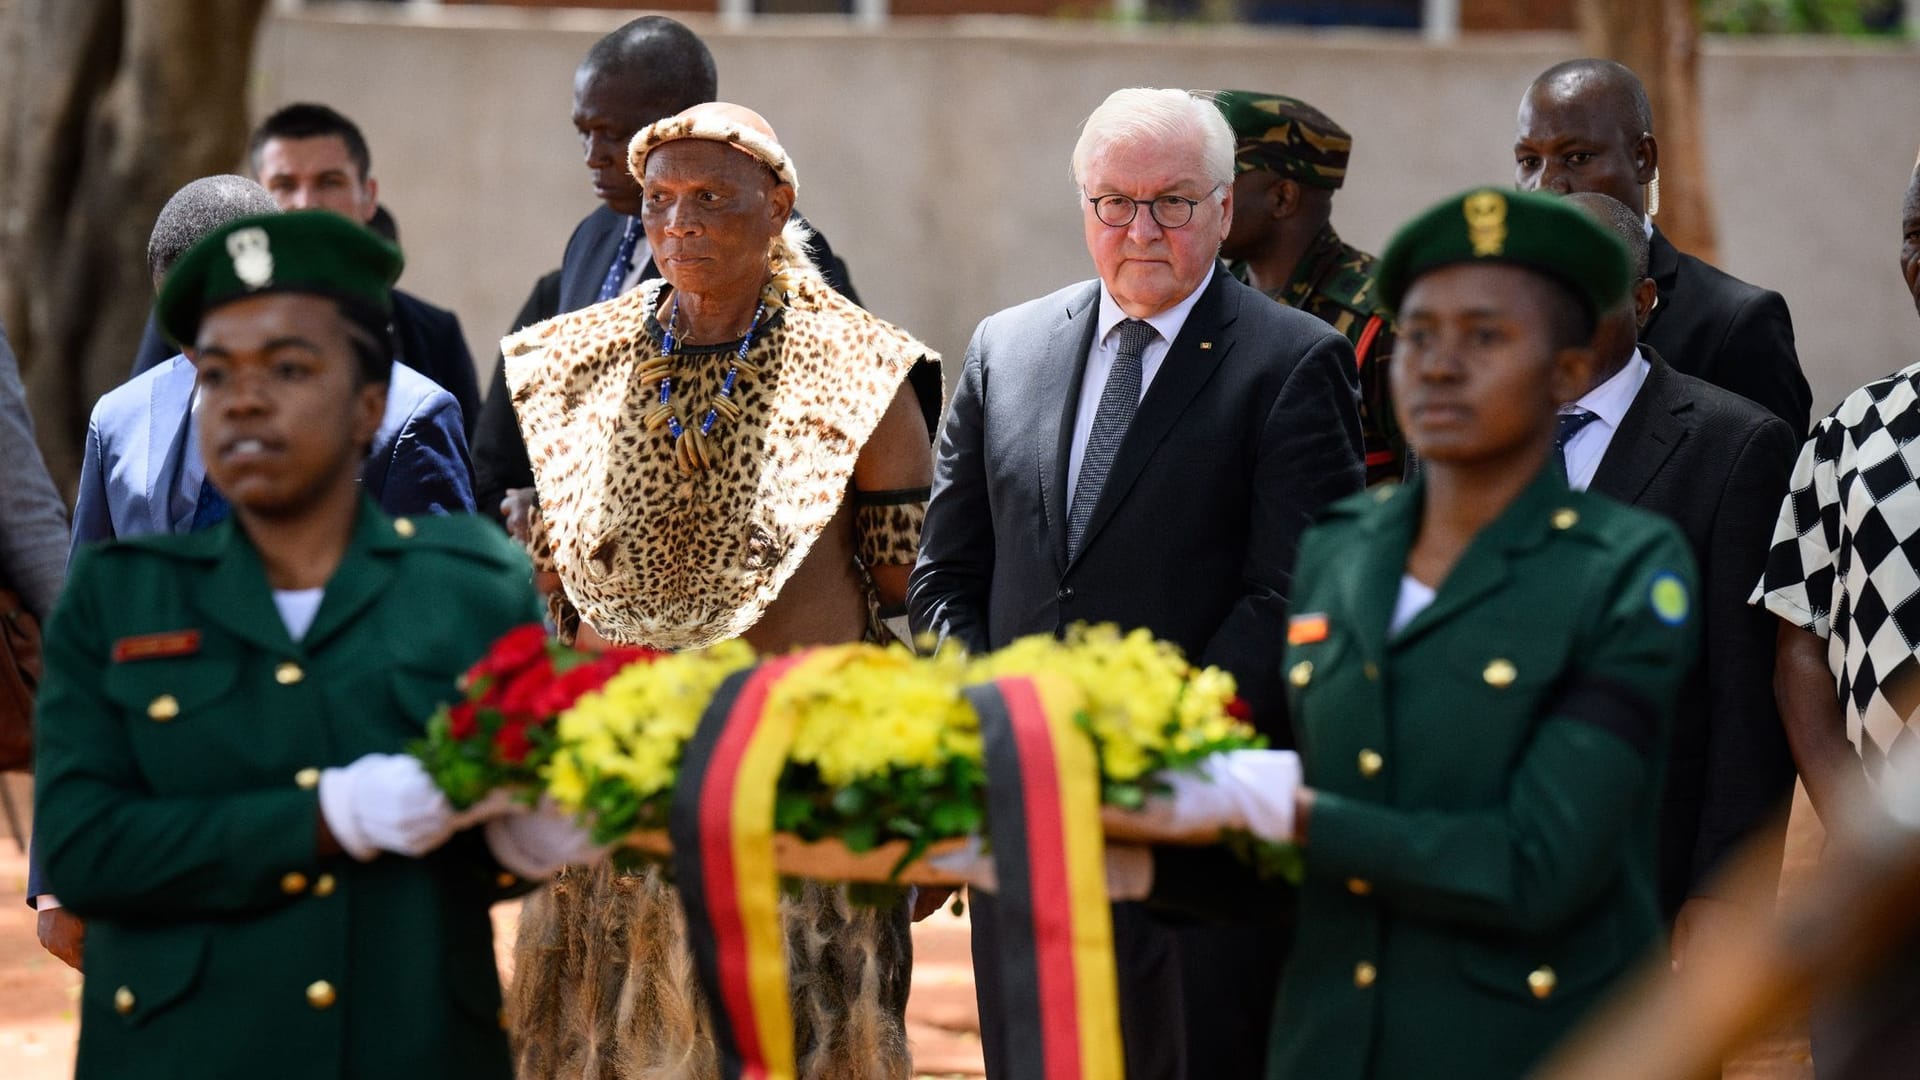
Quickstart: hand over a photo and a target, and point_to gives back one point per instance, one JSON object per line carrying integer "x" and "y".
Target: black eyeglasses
{"x": 1169, "y": 211}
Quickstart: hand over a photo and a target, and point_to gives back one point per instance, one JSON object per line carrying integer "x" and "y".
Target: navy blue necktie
{"x": 1567, "y": 427}
{"x": 622, "y": 261}
{"x": 211, "y": 507}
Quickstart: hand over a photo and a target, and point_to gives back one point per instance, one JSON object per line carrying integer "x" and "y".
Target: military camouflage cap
{"x": 1285, "y": 135}
{"x": 1542, "y": 233}
{"x": 302, "y": 251}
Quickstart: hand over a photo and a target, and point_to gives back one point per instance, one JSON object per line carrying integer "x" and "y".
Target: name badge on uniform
{"x": 162, "y": 646}
{"x": 1307, "y": 629}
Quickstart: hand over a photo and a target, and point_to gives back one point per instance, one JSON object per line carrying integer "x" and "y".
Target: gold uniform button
{"x": 163, "y": 708}
{"x": 1500, "y": 673}
{"x": 123, "y": 1001}
{"x": 1542, "y": 981}
{"x": 293, "y": 884}
{"x": 1364, "y": 974}
{"x": 1371, "y": 670}
{"x": 506, "y": 880}
{"x": 1371, "y": 763}
{"x": 1301, "y": 673}
{"x": 1566, "y": 518}
{"x": 307, "y": 779}
{"x": 320, "y": 995}
{"x": 323, "y": 885}
{"x": 288, "y": 673}
{"x": 404, "y": 528}
{"x": 1359, "y": 886}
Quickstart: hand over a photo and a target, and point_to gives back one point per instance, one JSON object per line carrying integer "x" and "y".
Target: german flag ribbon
{"x": 1056, "y": 925}
{"x": 721, "y": 825}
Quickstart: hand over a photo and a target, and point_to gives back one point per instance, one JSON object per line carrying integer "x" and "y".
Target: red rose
{"x": 559, "y": 695}
{"x": 462, "y": 720}
{"x": 516, "y": 649}
{"x": 520, "y": 694}
{"x": 1240, "y": 710}
{"x": 511, "y": 742}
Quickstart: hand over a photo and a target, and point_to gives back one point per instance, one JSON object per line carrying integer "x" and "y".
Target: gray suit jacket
{"x": 1249, "y": 429}
{"x": 33, "y": 519}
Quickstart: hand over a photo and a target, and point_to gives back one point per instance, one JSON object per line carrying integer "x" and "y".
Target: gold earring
{"x": 1653, "y": 193}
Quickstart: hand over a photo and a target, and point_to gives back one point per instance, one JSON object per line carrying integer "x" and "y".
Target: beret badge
{"x": 252, "y": 260}
{"x": 1486, "y": 213}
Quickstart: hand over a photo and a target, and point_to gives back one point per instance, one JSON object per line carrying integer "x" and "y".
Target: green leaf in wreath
{"x": 850, "y": 800}
{"x": 860, "y": 837}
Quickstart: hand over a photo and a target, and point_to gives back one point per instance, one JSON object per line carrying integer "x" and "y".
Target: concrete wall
{"x": 933, "y": 153}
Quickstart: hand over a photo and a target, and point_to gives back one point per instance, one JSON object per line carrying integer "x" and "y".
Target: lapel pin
{"x": 1206, "y": 345}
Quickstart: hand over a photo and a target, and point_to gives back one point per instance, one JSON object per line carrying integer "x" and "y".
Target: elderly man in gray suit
{"x": 1145, "y": 449}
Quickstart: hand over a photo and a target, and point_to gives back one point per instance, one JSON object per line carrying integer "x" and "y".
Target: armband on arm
{"x": 887, "y": 525}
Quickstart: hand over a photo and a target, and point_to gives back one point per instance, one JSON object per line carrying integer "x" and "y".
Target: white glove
{"x": 1242, "y": 789}
{"x": 536, "y": 843}
{"x": 384, "y": 802}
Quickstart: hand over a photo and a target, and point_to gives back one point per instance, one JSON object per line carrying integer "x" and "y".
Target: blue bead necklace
{"x": 693, "y": 446}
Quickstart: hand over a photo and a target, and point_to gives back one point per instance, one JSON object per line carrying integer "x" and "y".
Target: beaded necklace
{"x": 693, "y": 446}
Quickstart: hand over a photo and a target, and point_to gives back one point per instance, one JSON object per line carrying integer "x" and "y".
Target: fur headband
{"x": 681, "y": 126}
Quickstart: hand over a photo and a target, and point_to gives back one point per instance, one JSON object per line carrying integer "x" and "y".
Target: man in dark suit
{"x": 1143, "y": 449}
{"x": 311, "y": 157}
{"x": 1716, "y": 465}
{"x": 649, "y": 68}
{"x": 1585, "y": 125}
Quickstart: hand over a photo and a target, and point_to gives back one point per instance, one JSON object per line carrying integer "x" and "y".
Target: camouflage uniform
{"x": 1332, "y": 281}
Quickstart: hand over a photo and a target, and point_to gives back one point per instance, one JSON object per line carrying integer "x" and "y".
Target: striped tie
{"x": 1118, "y": 402}
{"x": 622, "y": 261}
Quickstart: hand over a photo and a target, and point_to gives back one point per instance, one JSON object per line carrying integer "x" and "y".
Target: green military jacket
{"x": 1480, "y": 856}
{"x": 181, "y": 731}
{"x": 1333, "y": 282}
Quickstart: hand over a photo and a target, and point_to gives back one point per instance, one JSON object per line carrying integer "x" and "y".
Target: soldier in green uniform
{"x": 273, "y": 887}
{"x": 1289, "y": 159}
{"x": 1482, "y": 664}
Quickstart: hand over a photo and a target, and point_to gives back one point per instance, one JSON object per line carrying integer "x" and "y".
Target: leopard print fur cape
{"x": 651, "y": 555}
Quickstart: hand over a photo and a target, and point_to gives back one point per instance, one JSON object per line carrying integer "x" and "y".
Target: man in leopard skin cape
{"x": 729, "y": 451}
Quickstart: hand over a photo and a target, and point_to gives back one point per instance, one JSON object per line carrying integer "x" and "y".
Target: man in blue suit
{"x": 142, "y": 472}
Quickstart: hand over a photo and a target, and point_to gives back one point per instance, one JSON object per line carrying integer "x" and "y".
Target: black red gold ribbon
{"x": 1056, "y": 927}
{"x": 1043, "y": 804}
{"x": 721, "y": 825}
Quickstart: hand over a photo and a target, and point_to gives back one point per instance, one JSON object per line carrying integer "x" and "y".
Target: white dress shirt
{"x": 1609, "y": 402}
{"x": 642, "y": 251}
{"x": 1106, "y": 349}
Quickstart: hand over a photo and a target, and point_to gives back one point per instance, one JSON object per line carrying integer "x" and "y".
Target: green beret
{"x": 1544, "y": 233}
{"x": 302, "y": 251}
{"x": 1285, "y": 135}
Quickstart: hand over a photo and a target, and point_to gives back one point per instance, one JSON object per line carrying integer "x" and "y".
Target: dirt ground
{"x": 38, "y": 994}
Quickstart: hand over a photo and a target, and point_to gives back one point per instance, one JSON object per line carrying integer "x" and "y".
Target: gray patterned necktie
{"x": 1119, "y": 400}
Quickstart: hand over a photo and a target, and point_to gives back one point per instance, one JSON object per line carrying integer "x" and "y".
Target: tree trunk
{"x": 110, "y": 106}
{"x": 1660, "y": 41}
